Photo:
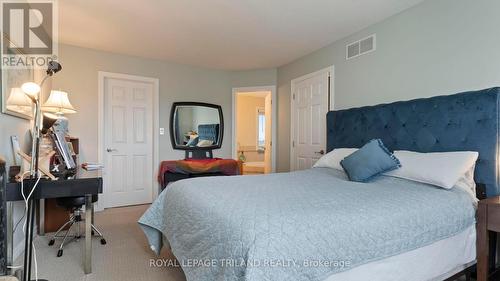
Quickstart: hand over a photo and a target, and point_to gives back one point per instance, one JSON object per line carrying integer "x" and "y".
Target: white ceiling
{"x": 222, "y": 34}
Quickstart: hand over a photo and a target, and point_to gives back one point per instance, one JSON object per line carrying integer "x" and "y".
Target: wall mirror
{"x": 14, "y": 101}
{"x": 196, "y": 126}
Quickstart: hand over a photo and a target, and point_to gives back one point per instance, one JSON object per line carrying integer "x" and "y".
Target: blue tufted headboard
{"x": 209, "y": 132}
{"x": 465, "y": 121}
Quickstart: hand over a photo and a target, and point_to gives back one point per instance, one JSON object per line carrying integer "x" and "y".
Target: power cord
{"x": 26, "y": 200}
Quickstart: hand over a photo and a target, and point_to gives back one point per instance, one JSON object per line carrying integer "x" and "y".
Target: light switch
{"x": 162, "y": 131}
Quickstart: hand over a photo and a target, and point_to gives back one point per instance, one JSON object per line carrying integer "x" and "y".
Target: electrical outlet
{"x": 162, "y": 131}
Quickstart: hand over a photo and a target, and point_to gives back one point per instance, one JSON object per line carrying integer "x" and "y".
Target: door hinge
{"x": 293, "y": 143}
{"x": 293, "y": 96}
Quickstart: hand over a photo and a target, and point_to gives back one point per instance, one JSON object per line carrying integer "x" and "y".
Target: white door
{"x": 310, "y": 106}
{"x": 128, "y": 138}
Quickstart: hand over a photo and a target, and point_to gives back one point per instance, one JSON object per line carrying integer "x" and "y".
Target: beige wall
{"x": 246, "y": 122}
{"x": 254, "y": 78}
{"x": 438, "y": 47}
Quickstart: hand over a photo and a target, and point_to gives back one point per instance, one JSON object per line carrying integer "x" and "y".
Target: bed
{"x": 317, "y": 225}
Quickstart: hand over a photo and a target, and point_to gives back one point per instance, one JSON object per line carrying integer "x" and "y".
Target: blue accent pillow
{"x": 369, "y": 161}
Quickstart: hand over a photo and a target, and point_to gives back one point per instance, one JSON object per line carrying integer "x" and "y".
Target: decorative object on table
{"x": 42, "y": 168}
{"x": 12, "y": 79}
{"x": 197, "y": 128}
{"x": 68, "y": 154}
{"x": 46, "y": 144}
{"x": 92, "y": 166}
{"x": 242, "y": 156}
{"x": 45, "y": 153}
{"x": 63, "y": 150}
{"x": 61, "y": 125}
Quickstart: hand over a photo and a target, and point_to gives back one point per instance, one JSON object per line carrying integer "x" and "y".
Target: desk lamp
{"x": 32, "y": 91}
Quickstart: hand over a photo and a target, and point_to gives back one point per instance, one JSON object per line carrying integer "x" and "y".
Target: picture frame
{"x": 13, "y": 78}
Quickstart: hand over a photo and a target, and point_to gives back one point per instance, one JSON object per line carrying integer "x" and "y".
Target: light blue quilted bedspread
{"x": 304, "y": 225}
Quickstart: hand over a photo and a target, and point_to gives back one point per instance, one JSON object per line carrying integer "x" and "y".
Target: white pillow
{"x": 443, "y": 169}
{"x": 204, "y": 143}
{"x": 467, "y": 183}
{"x": 332, "y": 159}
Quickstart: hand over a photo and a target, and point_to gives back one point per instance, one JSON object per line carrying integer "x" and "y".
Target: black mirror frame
{"x": 189, "y": 103}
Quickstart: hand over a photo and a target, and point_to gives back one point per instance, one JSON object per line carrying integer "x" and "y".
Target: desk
{"x": 57, "y": 189}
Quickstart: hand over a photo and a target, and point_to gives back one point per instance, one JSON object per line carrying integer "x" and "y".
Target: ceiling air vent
{"x": 361, "y": 47}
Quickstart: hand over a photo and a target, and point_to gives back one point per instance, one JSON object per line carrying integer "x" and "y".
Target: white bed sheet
{"x": 433, "y": 262}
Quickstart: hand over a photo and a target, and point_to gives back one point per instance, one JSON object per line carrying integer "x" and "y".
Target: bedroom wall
{"x": 438, "y": 47}
{"x": 177, "y": 83}
{"x": 254, "y": 78}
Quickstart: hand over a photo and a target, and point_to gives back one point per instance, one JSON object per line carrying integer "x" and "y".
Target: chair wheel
{"x": 103, "y": 241}
{"x": 51, "y": 242}
{"x": 93, "y": 233}
{"x": 59, "y": 253}
{"x": 78, "y": 237}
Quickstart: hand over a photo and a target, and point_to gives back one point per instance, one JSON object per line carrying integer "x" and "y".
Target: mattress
{"x": 305, "y": 216}
{"x": 434, "y": 262}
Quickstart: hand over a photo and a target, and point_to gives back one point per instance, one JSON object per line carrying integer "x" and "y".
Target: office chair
{"x": 74, "y": 204}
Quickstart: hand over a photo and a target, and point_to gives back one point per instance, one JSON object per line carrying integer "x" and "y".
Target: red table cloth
{"x": 228, "y": 167}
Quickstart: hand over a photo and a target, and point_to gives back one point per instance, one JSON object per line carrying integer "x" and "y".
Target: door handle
{"x": 111, "y": 149}
{"x": 320, "y": 152}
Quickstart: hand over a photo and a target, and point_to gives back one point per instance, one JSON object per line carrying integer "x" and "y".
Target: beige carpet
{"x": 125, "y": 257}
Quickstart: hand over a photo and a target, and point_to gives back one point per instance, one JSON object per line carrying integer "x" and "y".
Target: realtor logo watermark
{"x": 29, "y": 33}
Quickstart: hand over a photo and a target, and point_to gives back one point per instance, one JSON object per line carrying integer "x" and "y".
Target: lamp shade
{"x": 18, "y": 101}
{"x": 58, "y": 103}
{"x": 48, "y": 121}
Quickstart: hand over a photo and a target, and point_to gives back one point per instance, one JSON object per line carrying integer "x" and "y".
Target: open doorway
{"x": 254, "y": 129}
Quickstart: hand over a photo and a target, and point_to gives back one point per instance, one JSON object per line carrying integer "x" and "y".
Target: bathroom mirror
{"x": 196, "y": 126}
